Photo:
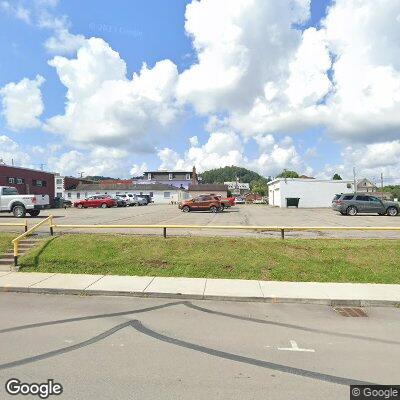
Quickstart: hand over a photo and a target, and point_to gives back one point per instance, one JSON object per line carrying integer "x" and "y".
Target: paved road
{"x": 129, "y": 348}
{"x": 240, "y": 215}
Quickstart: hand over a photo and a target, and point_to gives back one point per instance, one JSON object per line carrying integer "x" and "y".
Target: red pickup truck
{"x": 226, "y": 202}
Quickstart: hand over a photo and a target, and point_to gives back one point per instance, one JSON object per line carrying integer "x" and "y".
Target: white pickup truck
{"x": 20, "y": 204}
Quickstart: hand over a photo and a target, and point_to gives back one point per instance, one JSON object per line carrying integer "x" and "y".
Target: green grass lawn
{"x": 244, "y": 258}
{"x": 5, "y": 241}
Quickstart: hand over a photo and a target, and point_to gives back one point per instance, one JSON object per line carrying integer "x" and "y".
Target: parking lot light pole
{"x": 165, "y": 232}
{"x": 282, "y": 233}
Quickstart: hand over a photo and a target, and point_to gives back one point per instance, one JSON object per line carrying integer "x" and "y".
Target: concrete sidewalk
{"x": 352, "y": 294}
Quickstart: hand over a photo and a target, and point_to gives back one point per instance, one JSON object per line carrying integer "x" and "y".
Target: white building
{"x": 311, "y": 192}
{"x": 237, "y": 187}
{"x": 160, "y": 193}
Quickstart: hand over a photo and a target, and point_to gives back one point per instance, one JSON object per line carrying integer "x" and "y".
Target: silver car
{"x": 354, "y": 203}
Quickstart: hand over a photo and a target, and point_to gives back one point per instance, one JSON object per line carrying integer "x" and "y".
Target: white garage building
{"x": 311, "y": 192}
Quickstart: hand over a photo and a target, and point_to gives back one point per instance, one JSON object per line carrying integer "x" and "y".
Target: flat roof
{"x": 307, "y": 180}
{"x": 27, "y": 169}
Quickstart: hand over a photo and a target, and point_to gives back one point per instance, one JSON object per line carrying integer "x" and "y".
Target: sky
{"x": 117, "y": 88}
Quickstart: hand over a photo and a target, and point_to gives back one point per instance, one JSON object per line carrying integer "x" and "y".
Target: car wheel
{"x": 34, "y": 213}
{"x": 352, "y": 211}
{"x": 79, "y": 205}
{"x": 392, "y": 211}
{"x": 19, "y": 211}
{"x": 185, "y": 208}
{"x": 213, "y": 209}
{"x": 104, "y": 205}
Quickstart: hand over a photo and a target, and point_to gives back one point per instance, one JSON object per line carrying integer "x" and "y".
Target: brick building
{"x": 28, "y": 181}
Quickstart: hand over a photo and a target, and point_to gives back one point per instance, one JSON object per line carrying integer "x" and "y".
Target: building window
{"x": 149, "y": 176}
{"x": 11, "y": 180}
{"x": 69, "y": 195}
{"x": 59, "y": 181}
{"x": 78, "y": 195}
{"x": 59, "y": 195}
{"x": 20, "y": 181}
{"x": 167, "y": 195}
{"x": 170, "y": 176}
{"x": 188, "y": 177}
{"x": 38, "y": 183}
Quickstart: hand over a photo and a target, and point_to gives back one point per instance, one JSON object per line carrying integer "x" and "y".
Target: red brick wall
{"x": 28, "y": 176}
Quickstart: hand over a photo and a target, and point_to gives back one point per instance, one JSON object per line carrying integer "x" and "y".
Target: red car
{"x": 96, "y": 201}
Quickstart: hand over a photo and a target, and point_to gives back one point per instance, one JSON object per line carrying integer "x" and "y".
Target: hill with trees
{"x": 258, "y": 184}
{"x": 229, "y": 174}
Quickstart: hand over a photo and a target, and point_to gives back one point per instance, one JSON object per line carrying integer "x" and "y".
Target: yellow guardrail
{"x": 23, "y": 224}
{"x": 28, "y": 232}
{"x": 281, "y": 229}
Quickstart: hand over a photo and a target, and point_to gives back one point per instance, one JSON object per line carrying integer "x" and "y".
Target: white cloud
{"x": 274, "y": 157}
{"x": 64, "y": 42}
{"x": 138, "y": 169}
{"x": 104, "y": 107}
{"x": 226, "y": 148}
{"x": 17, "y": 10}
{"x": 271, "y": 77}
{"x": 11, "y": 152}
{"x": 22, "y": 103}
{"x": 241, "y": 46}
{"x": 98, "y": 161}
{"x": 221, "y": 149}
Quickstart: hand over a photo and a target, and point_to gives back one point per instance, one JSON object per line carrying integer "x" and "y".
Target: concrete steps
{"x": 7, "y": 259}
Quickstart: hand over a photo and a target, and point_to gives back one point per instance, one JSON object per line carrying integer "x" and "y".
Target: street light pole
{"x": 354, "y": 178}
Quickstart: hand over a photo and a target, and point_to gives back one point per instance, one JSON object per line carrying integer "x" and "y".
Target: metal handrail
{"x": 282, "y": 229}
{"x": 24, "y": 224}
{"x": 16, "y": 241}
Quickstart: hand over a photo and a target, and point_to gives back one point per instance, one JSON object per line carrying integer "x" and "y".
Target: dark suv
{"x": 352, "y": 204}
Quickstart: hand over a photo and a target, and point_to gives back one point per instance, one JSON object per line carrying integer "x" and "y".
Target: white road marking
{"x": 295, "y": 347}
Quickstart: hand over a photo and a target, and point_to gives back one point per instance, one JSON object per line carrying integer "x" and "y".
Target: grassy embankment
{"x": 5, "y": 241}
{"x": 243, "y": 258}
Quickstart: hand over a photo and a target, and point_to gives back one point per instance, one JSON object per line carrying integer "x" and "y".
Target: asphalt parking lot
{"x": 130, "y": 348}
{"x": 243, "y": 215}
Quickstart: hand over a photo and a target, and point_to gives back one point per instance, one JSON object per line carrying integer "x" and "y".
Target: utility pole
{"x": 42, "y": 166}
{"x": 382, "y": 185}
{"x": 354, "y": 178}
{"x": 81, "y": 174}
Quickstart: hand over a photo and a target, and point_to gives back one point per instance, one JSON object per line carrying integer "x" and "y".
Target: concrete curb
{"x": 177, "y": 296}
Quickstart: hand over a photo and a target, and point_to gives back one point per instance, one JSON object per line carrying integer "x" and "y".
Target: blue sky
{"x": 151, "y": 31}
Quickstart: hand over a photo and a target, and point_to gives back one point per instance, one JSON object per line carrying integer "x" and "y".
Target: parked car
{"x": 20, "y": 204}
{"x": 141, "y": 200}
{"x": 240, "y": 200}
{"x": 121, "y": 202}
{"x": 67, "y": 203}
{"x": 354, "y": 203}
{"x": 148, "y": 197}
{"x": 201, "y": 203}
{"x": 129, "y": 199}
{"x": 96, "y": 201}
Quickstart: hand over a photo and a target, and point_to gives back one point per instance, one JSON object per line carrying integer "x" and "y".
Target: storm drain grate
{"x": 350, "y": 312}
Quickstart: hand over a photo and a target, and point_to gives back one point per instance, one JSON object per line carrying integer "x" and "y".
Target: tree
{"x": 229, "y": 174}
{"x": 288, "y": 174}
{"x": 259, "y": 186}
{"x": 337, "y": 177}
